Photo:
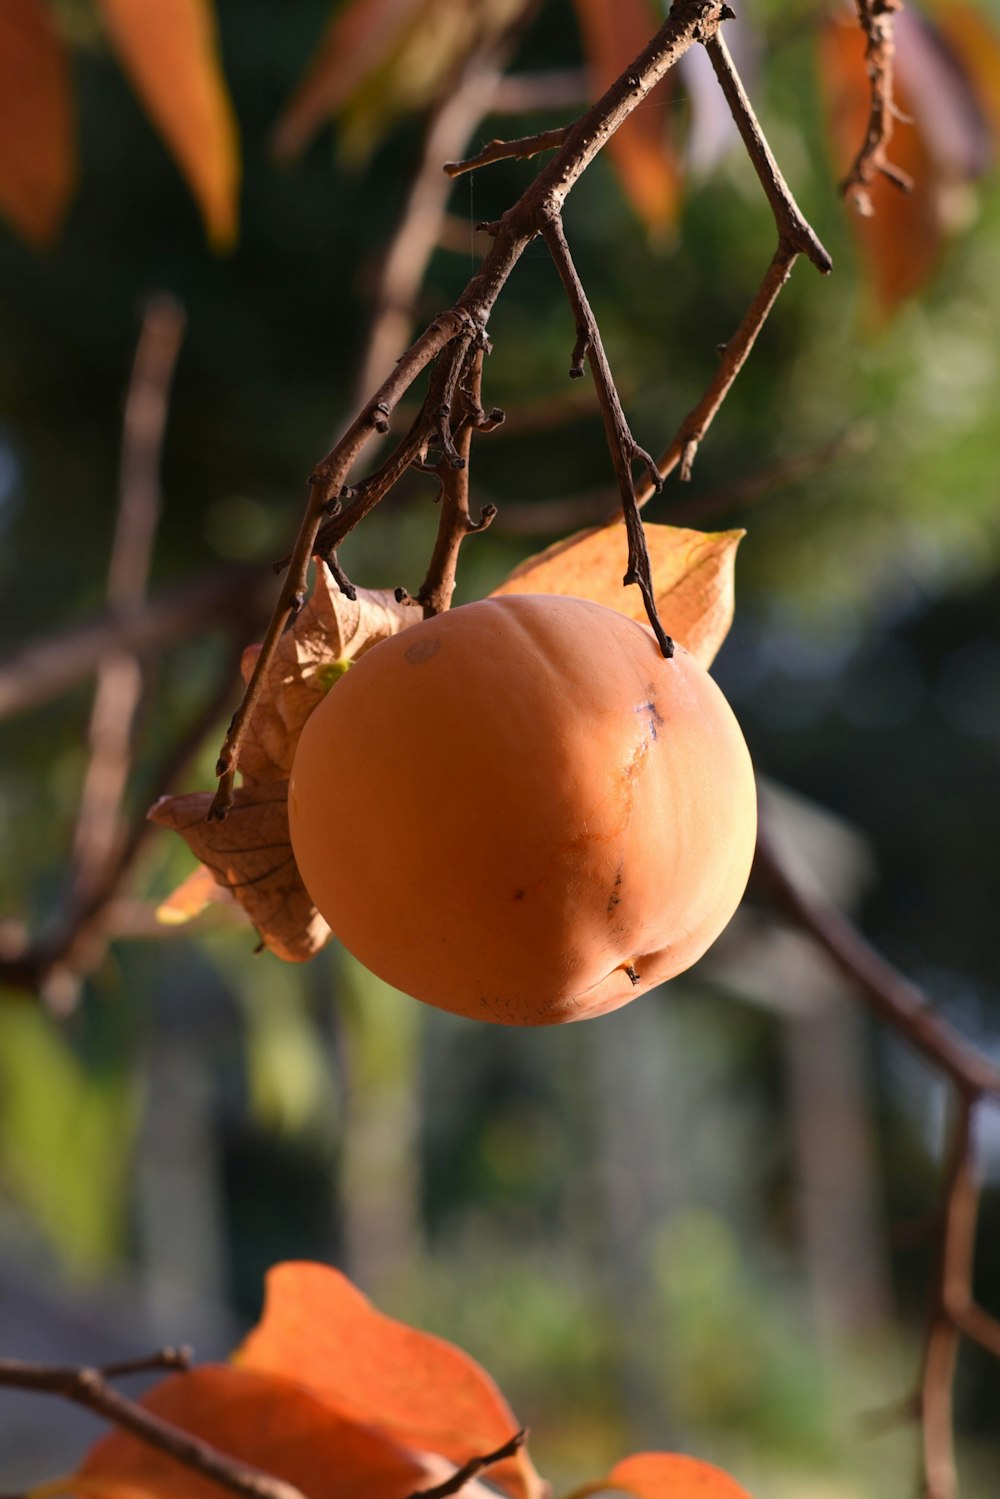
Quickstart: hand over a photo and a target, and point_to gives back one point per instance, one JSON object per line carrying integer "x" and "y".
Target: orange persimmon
{"x": 521, "y": 812}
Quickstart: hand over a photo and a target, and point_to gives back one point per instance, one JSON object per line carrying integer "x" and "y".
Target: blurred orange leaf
{"x": 693, "y": 579}
{"x": 382, "y": 58}
{"x": 667, "y": 1475}
{"x": 975, "y": 41}
{"x": 947, "y": 81}
{"x": 250, "y": 855}
{"x": 170, "y": 52}
{"x": 192, "y": 895}
{"x": 37, "y": 149}
{"x": 263, "y": 1420}
{"x": 614, "y": 32}
{"x": 413, "y": 1387}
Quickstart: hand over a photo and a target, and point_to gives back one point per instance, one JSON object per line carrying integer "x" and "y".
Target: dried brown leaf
{"x": 692, "y": 579}
{"x": 251, "y": 856}
{"x": 330, "y": 628}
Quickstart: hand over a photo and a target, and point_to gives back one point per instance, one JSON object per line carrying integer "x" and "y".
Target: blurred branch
{"x": 119, "y": 675}
{"x": 876, "y": 18}
{"x": 91, "y": 1389}
{"x": 46, "y": 668}
{"x": 530, "y": 93}
{"x": 974, "y": 1076}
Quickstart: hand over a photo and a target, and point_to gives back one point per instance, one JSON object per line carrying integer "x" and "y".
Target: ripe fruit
{"x": 519, "y": 811}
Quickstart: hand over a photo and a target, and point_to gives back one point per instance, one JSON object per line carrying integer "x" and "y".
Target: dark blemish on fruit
{"x": 518, "y": 894}
{"x": 633, "y": 976}
{"x": 654, "y": 716}
{"x": 421, "y": 651}
{"x": 614, "y": 899}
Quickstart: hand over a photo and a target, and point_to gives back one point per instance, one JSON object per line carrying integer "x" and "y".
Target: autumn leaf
{"x": 37, "y": 148}
{"x": 941, "y": 140}
{"x": 251, "y": 856}
{"x": 641, "y": 149}
{"x": 330, "y": 628}
{"x": 692, "y": 579}
{"x": 666, "y": 1475}
{"x": 414, "y": 1388}
{"x": 170, "y": 52}
{"x": 264, "y": 1420}
{"x": 382, "y": 58}
{"x": 191, "y": 897}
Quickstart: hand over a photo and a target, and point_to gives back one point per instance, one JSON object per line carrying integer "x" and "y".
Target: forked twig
{"x": 876, "y": 18}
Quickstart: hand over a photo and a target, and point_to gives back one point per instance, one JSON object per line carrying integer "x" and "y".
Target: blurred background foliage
{"x": 629, "y": 1223}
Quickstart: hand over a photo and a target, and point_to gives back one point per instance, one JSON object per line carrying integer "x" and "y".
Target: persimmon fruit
{"x": 520, "y": 811}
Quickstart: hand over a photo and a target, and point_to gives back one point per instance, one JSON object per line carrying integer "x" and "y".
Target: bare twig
{"x": 472, "y": 1468}
{"x": 467, "y": 415}
{"x": 90, "y": 1388}
{"x": 522, "y": 149}
{"x": 792, "y": 224}
{"x": 876, "y": 18}
{"x": 624, "y": 448}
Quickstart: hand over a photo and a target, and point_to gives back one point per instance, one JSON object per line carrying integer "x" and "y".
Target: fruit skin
{"x": 504, "y": 809}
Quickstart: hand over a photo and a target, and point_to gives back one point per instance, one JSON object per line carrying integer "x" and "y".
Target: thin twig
{"x": 456, "y": 522}
{"x": 876, "y": 18}
{"x": 522, "y": 149}
{"x": 623, "y": 446}
{"x": 732, "y": 357}
{"x": 792, "y": 223}
{"x": 90, "y": 1388}
{"x": 474, "y": 1466}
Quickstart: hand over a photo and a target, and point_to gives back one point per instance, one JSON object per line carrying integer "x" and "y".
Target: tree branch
{"x": 522, "y": 149}
{"x": 623, "y": 446}
{"x": 90, "y": 1388}
{"x": 472, "y": 1468}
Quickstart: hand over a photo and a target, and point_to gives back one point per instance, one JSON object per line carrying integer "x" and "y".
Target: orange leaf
{"x": 263, "y": 1420}
{"x": 37, "y": 151}
{"x": 692, "y": 579}
{"x": 250, "y": 855}
{"x": 170, "y": 52}
{"x": 613, "y": 34}
{"x": 901, "y": 242}
{"x": 413, "y": 1387}
{"x": 976, "y": 45}
{"x": 667, "y": 1475}
{"x": 192, "y": 895}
